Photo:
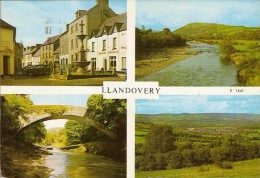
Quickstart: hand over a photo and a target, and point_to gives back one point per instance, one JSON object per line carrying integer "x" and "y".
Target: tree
{"x": 159, "y": 139}
{"x": 108, "y": 112}
{"x": 13, "y": 106}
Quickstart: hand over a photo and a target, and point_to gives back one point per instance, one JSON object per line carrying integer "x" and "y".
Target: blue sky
{"x": 159, "y": 14}
{"x": 74, "y": 100}
{"x": 199, "y": 104}
{"x": 29, "y": 17}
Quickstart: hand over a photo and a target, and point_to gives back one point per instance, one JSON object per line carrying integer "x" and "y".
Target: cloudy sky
{"x": 74, "y": 100}
{"x": 159, "y": 14}
{"x": 30, "y": 17}
{"x": 199, "y": 104}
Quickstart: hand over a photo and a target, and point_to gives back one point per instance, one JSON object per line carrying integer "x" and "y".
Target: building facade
{"x": 7, "y": 48}
{"x": 29, "y": 55}
{"x": 91, "y": 19}
{"x": 107, "y": 45}
{"x": 64, "y": 54}
{"x": 47, "y": 50}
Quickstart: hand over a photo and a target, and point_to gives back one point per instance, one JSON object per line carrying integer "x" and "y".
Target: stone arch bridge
{"x": 49, "y": 112}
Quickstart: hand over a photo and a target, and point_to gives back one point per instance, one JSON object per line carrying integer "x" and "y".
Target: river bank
{"x": 160, "y": 59}
{"x": 23, "y": 160}
{"x": 203, "y": 69}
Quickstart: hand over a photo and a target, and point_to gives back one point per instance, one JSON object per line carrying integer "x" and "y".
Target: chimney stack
{"x": 103, "y": 3}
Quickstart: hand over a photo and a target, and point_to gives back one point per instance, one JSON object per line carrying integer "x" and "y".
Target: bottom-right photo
{"x": 198, "y": 136}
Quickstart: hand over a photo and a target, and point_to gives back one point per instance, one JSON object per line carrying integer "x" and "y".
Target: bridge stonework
{"x": 71, "y": 112}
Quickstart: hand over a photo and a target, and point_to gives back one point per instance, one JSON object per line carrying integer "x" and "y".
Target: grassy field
{"x": 242, "y": 169}
{"x": 158, "y": 60}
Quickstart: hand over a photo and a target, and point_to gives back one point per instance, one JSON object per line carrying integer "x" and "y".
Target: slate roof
{"x": 119, "y": 21}
{"x": 57, "y": 51}
{"x": 51, "y": 40}
{"x": 6, "y": 25}
{"x": 38, "y": 53}
{"x": 32, "y": 51}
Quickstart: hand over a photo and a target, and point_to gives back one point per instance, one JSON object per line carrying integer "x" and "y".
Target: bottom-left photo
{"x": 63, "y": 136}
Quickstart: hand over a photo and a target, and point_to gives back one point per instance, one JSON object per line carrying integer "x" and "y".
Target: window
{"x": 112, "y": 60}
{"x": 93, "y": 47}
{"x": 77, "y": 57}
{"x": 123, "y": 62}
{"x": 104, "y": 45}
{"x": 76, "y": 27}
{"x": 71, "y": 29}
{"x": 114, "y": 43}
{"x": 72, "y": 58}
{"x": 77, "y": 43}
{"x": 72, "y": 45}
{"x": 94, "y": 63}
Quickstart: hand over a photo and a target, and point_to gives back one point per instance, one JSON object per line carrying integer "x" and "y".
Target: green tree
{"x": 159, "y": 139}
{"x": 108, "y": 112}
{"x": 13, "y": 106}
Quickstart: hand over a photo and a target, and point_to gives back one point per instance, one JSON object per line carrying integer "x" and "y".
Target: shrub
{"x": 203, "y": 169}
{"x": 225, "y": 165}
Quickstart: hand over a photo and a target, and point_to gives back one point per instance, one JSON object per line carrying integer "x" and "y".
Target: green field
{"x": 200, "y": 130}
{"x": 241, "y": 169}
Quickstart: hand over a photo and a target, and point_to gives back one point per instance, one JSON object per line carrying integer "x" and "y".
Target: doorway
{"x": 6, "y": 65}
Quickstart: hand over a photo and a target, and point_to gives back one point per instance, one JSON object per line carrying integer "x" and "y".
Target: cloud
{"x": 176, "y": 13}
{"x": 199, "y": 104}
{"x": 29, "y": 17}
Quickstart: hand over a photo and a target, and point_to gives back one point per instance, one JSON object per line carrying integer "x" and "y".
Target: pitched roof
{"x": 38, "y": 53}
{"x": 84, "y": 13}
{"x": 120, "y": 21}
{"x": 57, "y": 51}
{"x": 32, "y": 50}
{"x": 51, "y": 40}
{"x": 4, "y": 24}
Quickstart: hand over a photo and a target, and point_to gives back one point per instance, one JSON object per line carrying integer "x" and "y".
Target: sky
{"x": 175, "y": 104}
{"x": 173, "y": 14}
{"x": 74, "y": 100}
{"x": 30, "y": 17}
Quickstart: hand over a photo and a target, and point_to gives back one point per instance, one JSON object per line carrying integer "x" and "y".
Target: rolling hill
{"x": 220, "y": 118}
{"x": 209, "y": 31}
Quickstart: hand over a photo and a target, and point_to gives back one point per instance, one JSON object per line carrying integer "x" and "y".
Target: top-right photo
{"x": 198, "y": 42}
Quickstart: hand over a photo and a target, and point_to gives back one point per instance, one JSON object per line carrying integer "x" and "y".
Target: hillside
{"x": 211, "y": 31}
{"x": 200, "y": 119}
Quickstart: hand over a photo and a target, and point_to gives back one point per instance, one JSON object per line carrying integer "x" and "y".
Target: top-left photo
{"x": 63, "y": 43}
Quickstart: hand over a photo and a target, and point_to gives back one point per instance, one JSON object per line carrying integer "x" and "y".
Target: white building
{"x": 107, "y": 45}
{"x": 30, "y": 55}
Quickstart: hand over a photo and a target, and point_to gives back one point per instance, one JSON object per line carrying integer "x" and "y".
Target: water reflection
{"x": 78, "y": 165}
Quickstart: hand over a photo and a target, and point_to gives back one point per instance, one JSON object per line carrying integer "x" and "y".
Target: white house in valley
{"x": 107, "y": 45}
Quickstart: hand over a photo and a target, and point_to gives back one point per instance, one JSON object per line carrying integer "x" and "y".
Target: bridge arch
{"x": 71, "y": 113}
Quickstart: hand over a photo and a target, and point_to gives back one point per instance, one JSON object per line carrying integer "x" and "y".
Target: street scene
{"x": 80, "y": 47}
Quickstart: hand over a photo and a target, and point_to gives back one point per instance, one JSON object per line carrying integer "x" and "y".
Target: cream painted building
{"x": 91, "y": 19}
{"x": 107, "y": 44}
{"x": 102, "y": 27}
{"x": 29, "y": 55}
{"x": 47, "y": 50}
{"x": 7, "y": 48}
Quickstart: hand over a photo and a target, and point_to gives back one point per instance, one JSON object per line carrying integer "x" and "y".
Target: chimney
{"x": 79, "y": 13}
{"x": 102, "y": 3}
{"x": 38, "y": 46}
{"x": 67, "y": 27}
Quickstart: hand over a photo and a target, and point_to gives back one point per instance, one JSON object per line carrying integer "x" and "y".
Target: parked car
{"x": 32, "y": 70}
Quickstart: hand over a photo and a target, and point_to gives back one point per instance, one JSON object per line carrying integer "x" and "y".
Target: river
{"x": 78, "y": 165}
{"x": 203, "y": 69}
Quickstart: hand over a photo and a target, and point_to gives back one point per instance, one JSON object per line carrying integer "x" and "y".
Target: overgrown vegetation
{"x": 183, "y": 143}
{"x": 148, "y": 40}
